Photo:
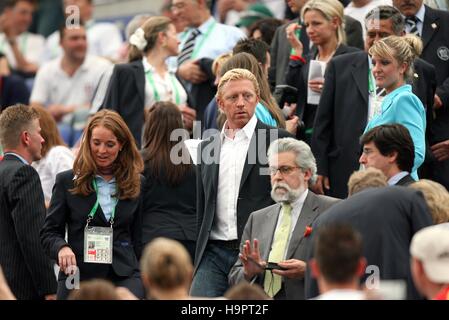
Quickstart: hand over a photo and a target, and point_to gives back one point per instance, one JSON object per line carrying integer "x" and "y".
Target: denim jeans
{"x": 211, "y": 277}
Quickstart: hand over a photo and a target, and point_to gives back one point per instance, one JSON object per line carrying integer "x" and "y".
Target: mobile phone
{"x": 274, "y": 265}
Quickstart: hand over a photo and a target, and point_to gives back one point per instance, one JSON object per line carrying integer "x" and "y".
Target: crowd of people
{"x": 226, "y": 149}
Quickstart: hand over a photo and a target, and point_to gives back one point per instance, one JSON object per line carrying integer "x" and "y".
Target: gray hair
{"x": 386, "y": 13}
{"x": 304, "y": 156}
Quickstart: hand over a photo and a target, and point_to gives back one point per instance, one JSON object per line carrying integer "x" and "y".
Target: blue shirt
{"x": 403, "y": 107}
{"x": 106, "y": 190}
{"x": 265, "y": 116}
{"x": 18, "y": 156}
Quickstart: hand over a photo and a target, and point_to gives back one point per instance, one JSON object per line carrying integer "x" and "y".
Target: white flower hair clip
{"x": 138, "y": 39}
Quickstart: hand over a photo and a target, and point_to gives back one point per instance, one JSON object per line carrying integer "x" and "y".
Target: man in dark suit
{"x": 387, "y": 218}
{"x": 28, "y": 271}
{"x": 280, "y": 47}
{"x": 345, "y": 102}
{"x": 277, "y": 232}
{"x": 433, "y": 27}
{"x": 232, "y": 181}
{"x": 390, "y": 149}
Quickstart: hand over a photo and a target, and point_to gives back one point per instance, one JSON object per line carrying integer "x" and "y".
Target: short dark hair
{"x": 389, "y": 138}
{"x": 63, "y": 27}
{"x": 256, "y": 47}
{"x": 387, "y": 13}
{"x": 338, "y": 250}
{"x": 267, "y": 28}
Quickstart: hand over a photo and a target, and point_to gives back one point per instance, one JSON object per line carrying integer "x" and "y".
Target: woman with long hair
{"x": 323, "y": 20}
{"x": 146, "y": 79}
{"x": 169, "y": 194}
{"x": 392, "y": 60}
{"x": 56, "y": 157}
{"x": 99, "y": 202}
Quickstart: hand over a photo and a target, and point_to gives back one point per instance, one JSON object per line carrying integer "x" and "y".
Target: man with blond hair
{"x": 27, "y": 270}
{"x": 232, "y": 181}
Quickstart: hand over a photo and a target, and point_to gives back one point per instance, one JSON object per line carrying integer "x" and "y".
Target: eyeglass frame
{"x": 283, "y": 170}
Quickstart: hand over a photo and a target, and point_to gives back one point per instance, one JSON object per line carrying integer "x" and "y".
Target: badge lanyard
{"x": 93, "y": 211}
{"x": 157, "y": 97}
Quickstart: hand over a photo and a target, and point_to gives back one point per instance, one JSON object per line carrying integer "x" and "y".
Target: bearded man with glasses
{"x": 273, "y": 253}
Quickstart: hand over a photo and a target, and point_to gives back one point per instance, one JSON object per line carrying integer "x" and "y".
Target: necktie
{"x": 412, "y": 25}
{"x": 273, "y": 282}
{"x": 187, "y": 49}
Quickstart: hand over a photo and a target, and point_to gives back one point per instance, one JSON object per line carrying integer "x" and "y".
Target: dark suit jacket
{"x": 261, "y": 225}
{"x": 406, "y": 181}
{"x": 169, "y": 211}
{"x": 387, "y": 218}
{"x": 254, "y": 190}
{"x": 435, "y": 36}
{"x": 27, "y": 269}
{"x": 126, "y": 95}
{"x": 280, "y": 48}
{"x": 67, "y": 208}
{"x": 342, "y": 116}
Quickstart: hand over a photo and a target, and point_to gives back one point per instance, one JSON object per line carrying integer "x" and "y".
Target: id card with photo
{"x": 98, "y": 245}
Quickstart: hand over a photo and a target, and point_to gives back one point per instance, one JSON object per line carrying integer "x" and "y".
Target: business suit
{"x": 67, "y": 208}
{"x": 403, "y": 107}
{"x": 254, "y": 192}
{"x": 387, "y": 218}
{"x": 280, "y": 48}
{"x": 261, "y": 225}
{"x": 342, "y": 115}
{"x": 27, "y": 269}
{"x": 298, "y": 76}
{"x": 435, "y": 36}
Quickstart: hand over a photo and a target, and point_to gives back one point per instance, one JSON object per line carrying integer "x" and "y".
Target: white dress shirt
{"x": 232, "y": 160}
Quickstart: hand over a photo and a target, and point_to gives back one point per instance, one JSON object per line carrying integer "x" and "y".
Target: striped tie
{"x": 189, "y": 45}
{"x": 412, "y": 25}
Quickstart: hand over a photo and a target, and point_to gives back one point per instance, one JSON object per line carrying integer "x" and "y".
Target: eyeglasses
{"x": 284, "y": 170}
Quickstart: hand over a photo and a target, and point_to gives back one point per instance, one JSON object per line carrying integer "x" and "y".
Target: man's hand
{"x": 191, "y": 71}
{"x": 437, "y": 103}
{"x": 66, "y": 260}
{"x": 295, "y": 269}
{"x": 250, "y": 258}
{"x": 322, "y": 183}
{"x": 441, "y": 150}
{"x": 58, "y": 111}
{"x": 188, "y": 116}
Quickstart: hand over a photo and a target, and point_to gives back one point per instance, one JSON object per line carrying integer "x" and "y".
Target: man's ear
{"x": 25, "y": 138}
{"x": 393, "y": 156}
{"x": 220, "y": 103}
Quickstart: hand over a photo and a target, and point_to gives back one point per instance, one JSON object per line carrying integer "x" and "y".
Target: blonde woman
{"x": 324, "y": 27}
{"x": 392, "y": 60}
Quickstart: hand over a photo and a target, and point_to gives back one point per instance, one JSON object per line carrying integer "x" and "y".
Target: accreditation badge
{"x": 98, "y": 245}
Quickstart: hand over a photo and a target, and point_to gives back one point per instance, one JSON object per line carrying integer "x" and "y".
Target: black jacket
{"x": 27, "y": 269}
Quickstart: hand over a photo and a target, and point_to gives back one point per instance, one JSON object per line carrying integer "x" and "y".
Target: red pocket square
{"x": 307, "y": 231}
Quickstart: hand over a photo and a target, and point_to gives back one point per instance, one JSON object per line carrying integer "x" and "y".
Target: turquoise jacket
{"x": 403, "y": 107}
{"x": 264, "y": 115}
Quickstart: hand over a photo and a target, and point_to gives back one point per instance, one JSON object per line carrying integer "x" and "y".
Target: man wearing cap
{"x": 430, "y": 261}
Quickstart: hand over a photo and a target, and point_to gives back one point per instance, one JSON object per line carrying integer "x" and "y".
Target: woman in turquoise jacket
{"x": 392, "y": 67}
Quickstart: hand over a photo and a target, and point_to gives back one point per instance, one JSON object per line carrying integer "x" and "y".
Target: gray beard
{"x": 289, "y": 197}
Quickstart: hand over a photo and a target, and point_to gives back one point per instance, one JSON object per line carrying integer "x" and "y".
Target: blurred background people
{"x": 146, "y": 79}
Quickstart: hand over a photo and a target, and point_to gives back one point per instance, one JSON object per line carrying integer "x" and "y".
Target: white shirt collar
{"x": 248, "y": 129}
{"x": 17, "y": 155}
{"x": 421, "y": 12}
{"x": 398, "y": 176}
